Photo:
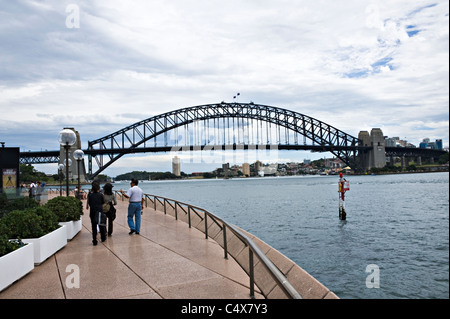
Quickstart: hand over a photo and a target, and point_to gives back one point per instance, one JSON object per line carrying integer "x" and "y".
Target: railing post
{"x": 252, "y": 278}
{"x": 189, "y": 216}
{"x": 154, "y": 202}
{"x": 164, "y": 206}
{"x": 176, "y": 212}
{"x": 206, "y": 225}
{"x": 224, "y": 228}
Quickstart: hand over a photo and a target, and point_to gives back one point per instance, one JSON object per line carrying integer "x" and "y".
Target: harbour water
{"x": 397, "y": 224}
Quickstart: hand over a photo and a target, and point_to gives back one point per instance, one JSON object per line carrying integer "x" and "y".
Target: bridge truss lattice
{"x": 223, "y": 126}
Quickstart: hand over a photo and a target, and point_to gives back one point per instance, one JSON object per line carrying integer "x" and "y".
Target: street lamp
{"x": 78, "y": 155}
{"x": 67, "y": 138}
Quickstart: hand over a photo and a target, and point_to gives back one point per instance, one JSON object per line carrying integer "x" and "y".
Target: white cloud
{"x": 352, "y": 64}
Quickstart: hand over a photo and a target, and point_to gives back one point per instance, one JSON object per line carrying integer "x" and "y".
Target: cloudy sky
{"x": 98, "y": 66}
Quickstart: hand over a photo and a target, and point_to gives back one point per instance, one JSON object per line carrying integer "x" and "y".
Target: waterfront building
{"x": 246, "y": 169}
{"x": 268, "y": 170}
{"x": 258, "y": 166}
{"x": 391, "y": 141}
{"x": 439, "y": 144}
{"x": 176, "y": 166}
{"x": 426, "y": 143}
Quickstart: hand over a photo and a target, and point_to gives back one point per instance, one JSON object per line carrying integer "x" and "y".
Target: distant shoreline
{"x": 271, "y": 176}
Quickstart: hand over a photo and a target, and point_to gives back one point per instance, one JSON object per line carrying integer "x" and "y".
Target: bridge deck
{"x": 166, "y": 261}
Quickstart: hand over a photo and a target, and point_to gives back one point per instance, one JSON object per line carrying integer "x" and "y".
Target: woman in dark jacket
{"x": 95, "y": 202}
{"x": 110, "y": 198}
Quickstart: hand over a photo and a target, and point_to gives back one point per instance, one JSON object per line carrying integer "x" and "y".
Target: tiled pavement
{"x": 167, "y": 260}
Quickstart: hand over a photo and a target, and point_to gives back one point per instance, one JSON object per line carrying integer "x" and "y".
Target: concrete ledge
{"x": 306, "y": 284}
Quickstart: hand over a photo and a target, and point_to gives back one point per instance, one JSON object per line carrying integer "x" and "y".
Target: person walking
{"x": 136, "y": 197}
{"x": 38, "y": 192}
{"x": 95, "y": 203}
{"x": 110, "y": 198}
{"x": 32, "y": 190}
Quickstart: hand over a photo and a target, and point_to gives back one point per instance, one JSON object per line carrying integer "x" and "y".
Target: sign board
{"x": 9, "y": 167}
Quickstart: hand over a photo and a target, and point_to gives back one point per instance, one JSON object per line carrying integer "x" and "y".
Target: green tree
{"x": 27, "y": 174}
{"x": 443, "y": 159}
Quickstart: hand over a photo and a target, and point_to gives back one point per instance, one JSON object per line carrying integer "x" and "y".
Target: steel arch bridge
{"x": 224, "y": 126}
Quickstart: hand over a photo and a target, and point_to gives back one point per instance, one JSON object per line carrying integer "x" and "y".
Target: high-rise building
{"x": 176, "y": 167}
{"x": 433, "y": 145}
{"x": 439, "y": 145}
{"x": 246, "y": 169}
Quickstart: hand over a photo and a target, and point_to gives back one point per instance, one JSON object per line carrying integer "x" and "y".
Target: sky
{"x": 99, "y": 66}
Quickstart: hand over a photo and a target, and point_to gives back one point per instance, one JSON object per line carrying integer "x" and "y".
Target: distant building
{"x": 258, "y": 165}
{"x": 423, "y": 145}
{"x": 270, "y": 169}
{"x": 439, "y": 144}
{"x": 246, "y": 169}
{"x": 391, "y": 141}
{"x": 396, "y": 142}
{"x": 334, "y": 163}
{"x": 433, "y": 145}
{"x": 176, "y": 167}
{"x": 197, "y": 173}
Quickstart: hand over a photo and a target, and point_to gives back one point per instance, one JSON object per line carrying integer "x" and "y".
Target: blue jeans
{"x": 134, "y": 210}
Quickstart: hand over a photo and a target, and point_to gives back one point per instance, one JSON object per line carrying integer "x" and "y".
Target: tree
{"x": 28, "y": 174}
{"x": 443, "y": 159}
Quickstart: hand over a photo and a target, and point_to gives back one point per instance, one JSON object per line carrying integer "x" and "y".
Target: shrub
{"x": 49, "y": 221}
{"x": 7, "y": 246}
{"x": 65, "y": 208}
{"x": 7, "y": 206}
{"x": 29, "y": 223}
{"x": 4, "y": 242}
{"x": 4, "y": 249}
{"x": 3, "y": 200}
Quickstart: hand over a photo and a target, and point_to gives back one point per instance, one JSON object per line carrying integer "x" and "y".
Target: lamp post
{"x": 67, "y": 138}
{"x": 78, "y": 155}
{"x": 60, "y": 176}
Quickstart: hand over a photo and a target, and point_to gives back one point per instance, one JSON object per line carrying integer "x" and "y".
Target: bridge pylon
{"x": 376, "y": 156}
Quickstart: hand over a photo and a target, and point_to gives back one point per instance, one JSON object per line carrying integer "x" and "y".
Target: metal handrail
{"x": 276, "y": 274}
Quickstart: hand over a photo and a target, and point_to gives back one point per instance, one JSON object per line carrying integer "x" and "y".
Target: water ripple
{"x": 398, "y": 222}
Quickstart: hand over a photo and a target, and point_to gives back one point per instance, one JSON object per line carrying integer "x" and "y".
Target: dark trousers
{"x": 110, "y": 225}
{"x": 94, "y": 231}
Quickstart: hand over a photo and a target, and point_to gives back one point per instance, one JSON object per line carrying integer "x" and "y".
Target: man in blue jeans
{"x": 136, "y": 196}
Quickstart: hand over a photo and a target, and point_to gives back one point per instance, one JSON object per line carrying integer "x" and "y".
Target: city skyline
{"x": 101, "y": 66}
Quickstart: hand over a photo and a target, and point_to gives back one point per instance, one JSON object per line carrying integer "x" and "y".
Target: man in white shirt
{"x": 136, "y": 196}
{"x": 32, "y": 189}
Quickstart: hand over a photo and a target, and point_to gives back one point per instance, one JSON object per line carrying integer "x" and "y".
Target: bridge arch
{"x": 136, "y": 137}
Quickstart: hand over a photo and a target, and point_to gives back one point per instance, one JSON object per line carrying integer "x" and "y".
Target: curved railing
{"x": 207, "y": 223}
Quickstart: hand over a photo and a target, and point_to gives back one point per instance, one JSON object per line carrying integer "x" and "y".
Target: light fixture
{"x": 67, "y": 138}
{"x": 78, "y": 155}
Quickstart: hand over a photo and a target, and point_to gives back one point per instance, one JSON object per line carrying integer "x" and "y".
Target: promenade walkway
{"x": 168, "y": 260}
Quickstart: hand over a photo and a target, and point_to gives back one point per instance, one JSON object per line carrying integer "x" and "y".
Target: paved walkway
{"x": 166, "y": 261}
